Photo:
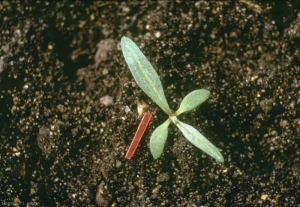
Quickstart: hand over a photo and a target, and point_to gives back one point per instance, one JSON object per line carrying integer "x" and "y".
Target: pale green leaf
{"x": 192, "y": 100}
{"x": 144, "y": 74}
{"x": 194, "y": 136}
{"x": 158, "y": 139}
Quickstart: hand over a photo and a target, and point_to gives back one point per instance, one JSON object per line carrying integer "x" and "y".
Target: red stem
{"x": 138, "y": 135}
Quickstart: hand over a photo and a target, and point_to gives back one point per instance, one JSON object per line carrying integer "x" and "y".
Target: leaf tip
{"x": 154, "y": 152}
{"x": 155, "y": 156}
{"x": 123, "y": 41}
{"x": 220, "y": 158}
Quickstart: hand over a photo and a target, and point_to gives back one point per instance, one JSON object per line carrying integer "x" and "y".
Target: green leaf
{"x": 192, "y": 100}
{"x": 158, "y": 139}
{"x": 144, "y": 74}
{"x": 194, "y": 136}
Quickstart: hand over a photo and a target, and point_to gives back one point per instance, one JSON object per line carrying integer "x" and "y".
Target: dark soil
{"x": 62, "y": 145}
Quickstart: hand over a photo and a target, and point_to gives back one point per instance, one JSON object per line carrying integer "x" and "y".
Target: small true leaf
{"x": 158, "y": 139}
{"x": 192, "y": 100}
{"x": 144, "y": 74}
{"x": 194, "y": 136}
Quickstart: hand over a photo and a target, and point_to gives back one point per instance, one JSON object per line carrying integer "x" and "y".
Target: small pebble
{"x": 106, "y": 100}
{"x": 118, "y": 163}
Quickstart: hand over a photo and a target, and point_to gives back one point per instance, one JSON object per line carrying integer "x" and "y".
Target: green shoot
{"x": 147, "y": 78}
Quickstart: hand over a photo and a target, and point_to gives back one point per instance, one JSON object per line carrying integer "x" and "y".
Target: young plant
{"x": 147, "y": 78}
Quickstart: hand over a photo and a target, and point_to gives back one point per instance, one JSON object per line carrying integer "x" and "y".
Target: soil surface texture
{"x": 68, "y": 103}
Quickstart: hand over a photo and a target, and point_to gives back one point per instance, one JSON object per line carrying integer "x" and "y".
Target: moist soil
{"x": 68, "y": 103}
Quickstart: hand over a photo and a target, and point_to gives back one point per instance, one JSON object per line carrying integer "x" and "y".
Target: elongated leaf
{"x": 194, "y": 136}
{"x": 158, "y": 139}
{"x": 144, "y": 74}
{"x": 192, "y": 100}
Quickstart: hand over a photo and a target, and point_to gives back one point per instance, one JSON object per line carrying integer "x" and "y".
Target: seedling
{"x": 147, "y": 78}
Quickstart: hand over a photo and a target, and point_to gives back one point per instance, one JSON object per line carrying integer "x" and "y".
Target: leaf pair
{"x": 147, "y": 78}
{"x": 159, "y": 136}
